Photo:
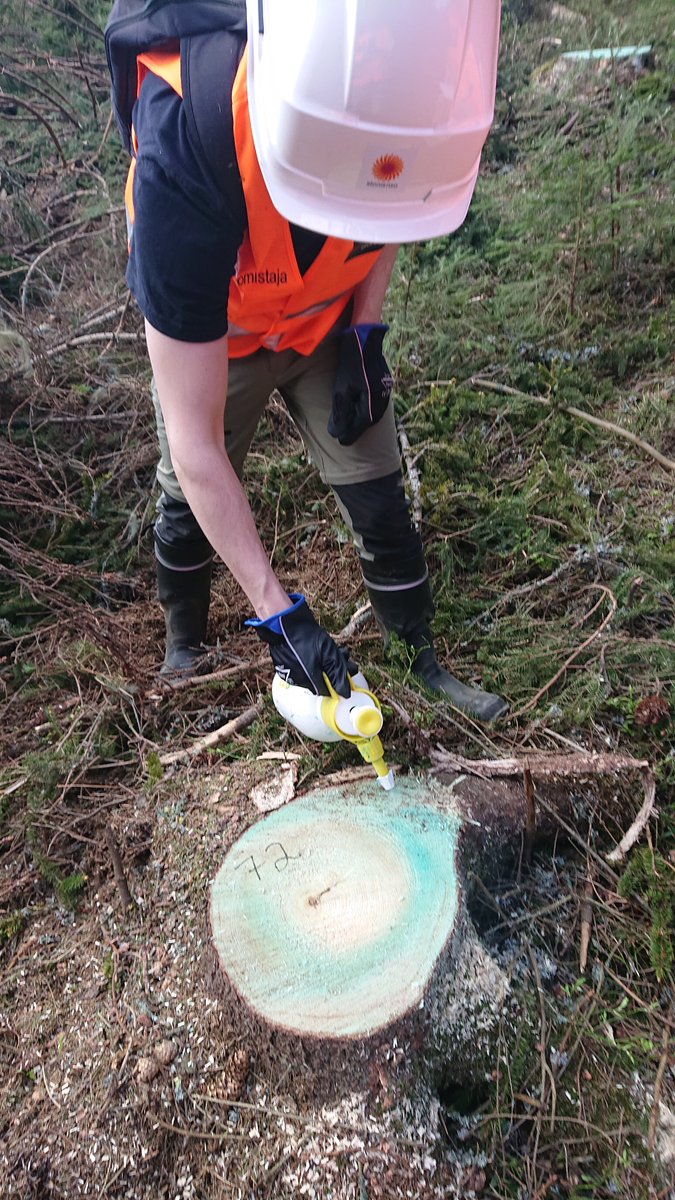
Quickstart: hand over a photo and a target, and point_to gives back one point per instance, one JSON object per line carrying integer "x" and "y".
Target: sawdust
{"x": 128, "y": 1079}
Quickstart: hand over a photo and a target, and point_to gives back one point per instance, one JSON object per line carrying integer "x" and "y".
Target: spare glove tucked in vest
{"x": 302, "y": 652}
{"x": 363, "y": 383}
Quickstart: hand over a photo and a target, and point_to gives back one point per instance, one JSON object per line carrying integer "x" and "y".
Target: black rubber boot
{"x": 407, "y": 611}
{"x": 184, "y": 597}
{"x": 184, "y": 565}
{"x": 483, "y": 706}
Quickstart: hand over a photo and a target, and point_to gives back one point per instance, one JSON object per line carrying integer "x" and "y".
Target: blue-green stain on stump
{"x": 329, "y": 914}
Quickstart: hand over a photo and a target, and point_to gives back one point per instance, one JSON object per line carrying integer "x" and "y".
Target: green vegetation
{"x": 650, "y": 875}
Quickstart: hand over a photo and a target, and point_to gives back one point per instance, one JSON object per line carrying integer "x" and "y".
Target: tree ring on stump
{"x": 329, "y": 915}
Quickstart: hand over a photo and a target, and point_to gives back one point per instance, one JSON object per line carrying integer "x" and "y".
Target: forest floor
{"x": 533, "y": 359}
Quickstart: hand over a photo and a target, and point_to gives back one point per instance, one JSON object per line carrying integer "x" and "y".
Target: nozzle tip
{"x": 387, "y": 781}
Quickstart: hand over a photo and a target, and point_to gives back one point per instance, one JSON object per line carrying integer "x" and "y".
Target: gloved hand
{"x": 363, "y": 383}
{"x": 302, "y": 651}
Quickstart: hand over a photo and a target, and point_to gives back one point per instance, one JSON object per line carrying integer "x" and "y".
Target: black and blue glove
{"x": 363, "y": 383}
{"x": 302, "y": 652}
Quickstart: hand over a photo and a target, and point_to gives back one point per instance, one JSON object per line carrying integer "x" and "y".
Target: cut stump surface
{"x": 329, "y": 916}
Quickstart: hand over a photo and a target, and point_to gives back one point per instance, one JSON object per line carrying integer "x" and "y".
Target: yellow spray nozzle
{"x": 365, "y": 719}
{"x": 372, "y": 751}
{"x": 352, "y": 718}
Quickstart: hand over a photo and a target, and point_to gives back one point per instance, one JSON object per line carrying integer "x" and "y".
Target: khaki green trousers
{"x": 305, "y": 383}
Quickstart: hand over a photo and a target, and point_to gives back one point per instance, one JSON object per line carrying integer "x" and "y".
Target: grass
{"x": 560, "y": 286}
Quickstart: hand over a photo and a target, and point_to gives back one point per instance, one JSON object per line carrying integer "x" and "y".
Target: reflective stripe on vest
{"x": 270, "y": 304}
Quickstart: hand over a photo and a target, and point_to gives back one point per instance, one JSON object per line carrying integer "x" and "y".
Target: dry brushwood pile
{"x": 532, "y": 354}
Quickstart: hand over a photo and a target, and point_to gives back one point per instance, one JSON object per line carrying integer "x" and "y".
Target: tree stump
{"x": 335, "y": 915}
{"x": 342, "y": 947}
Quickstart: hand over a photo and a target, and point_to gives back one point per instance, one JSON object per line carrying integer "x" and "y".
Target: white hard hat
{"x": 369, "y": 116}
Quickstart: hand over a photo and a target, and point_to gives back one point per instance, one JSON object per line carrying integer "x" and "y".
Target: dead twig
{"x": 221, "y": 734}
{"x": 658, "y": 1082}
{"x": 530, "y": 917}
{"x": 581, "y": 554}
{"x": 6, "y": 99}
{"x": 530, "y": 818}
{"x": 575, "y": 653}
{"x": 73, "y": 237}
{"x": 87, "y": 82}
{"x": 569, "y": 125}
{"x": 163, "y": 686}
{"x": 111, "y": 211}
{"x": 120, "y": 323}
{"x": 650, "y": 1009}
{"x": 106, "y": 134}
{"x": 28, "y": 82}
{"x": 423, "y": 742}
{"x": 546, "y": 1072}
{"x": 90, "y": 29}
{"x": 118, "y": 869}
{"x": 305, "y": 1119}
{"x": 600, "y": 422}
{"x": 640, "y": 823}
{"x": 586, "y": 925}
{"x": 200, "y": 1134}
{"x": 111, "y": 338}
{"x": 356, "y": 622}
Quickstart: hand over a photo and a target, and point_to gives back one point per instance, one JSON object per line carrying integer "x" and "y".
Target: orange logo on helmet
{"x": 388, "y": 167}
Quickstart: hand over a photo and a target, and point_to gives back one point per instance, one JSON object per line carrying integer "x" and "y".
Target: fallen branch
{"x": 90, "y": 29}
{"x": 221, "y": 734}
{"x": 6, "y": 99}
{"x": 640, "y": 823}
{"x": 609, "y": 426}
{"x": 111, "y": 338}
{"x": 413, "y": 473}
{"x": 563, "y": 764}
{"x": 87, "y": 338}
{"x": 55, "y": 98}
{"x": 569, "y": 125}
{"x": 356, "y": 622}
{"x": 75, "y": 224}
{"x": 73, "y": 237}
{"x": 164, "y": 685}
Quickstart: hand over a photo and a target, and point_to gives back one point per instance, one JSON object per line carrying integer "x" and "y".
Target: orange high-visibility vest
{"x": 271, "y": 304}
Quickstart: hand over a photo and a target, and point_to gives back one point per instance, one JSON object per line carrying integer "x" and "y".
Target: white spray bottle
{"x": 333, "y": 718}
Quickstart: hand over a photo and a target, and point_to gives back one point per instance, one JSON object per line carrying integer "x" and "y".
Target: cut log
{"x": 342, "y": 938}
{"x": 330, "y": 916}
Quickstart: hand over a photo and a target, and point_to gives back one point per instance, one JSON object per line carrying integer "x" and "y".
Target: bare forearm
{"x": 219, "y": 503}
{"x": 192, "y": 384}
{"x": 369, "y": 295}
